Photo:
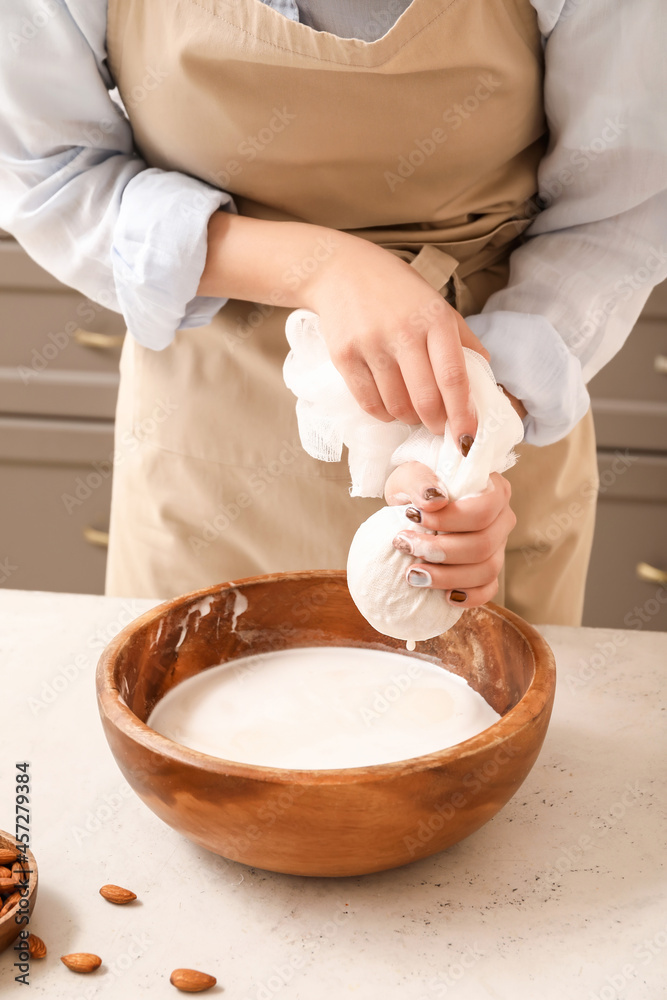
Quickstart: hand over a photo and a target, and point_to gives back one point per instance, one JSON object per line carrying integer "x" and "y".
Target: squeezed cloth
{"x": 330, "y": 418}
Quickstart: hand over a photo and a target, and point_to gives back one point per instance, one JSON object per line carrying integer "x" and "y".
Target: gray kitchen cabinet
{"x": 627, "y": 580}
{"x": 59, "y": 357}
{"x": 56, "y": 493}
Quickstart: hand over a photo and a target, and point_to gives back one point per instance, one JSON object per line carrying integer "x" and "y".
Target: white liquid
{"x": 324, "y": 707}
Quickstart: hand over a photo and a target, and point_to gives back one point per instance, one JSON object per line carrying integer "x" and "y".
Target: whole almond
{"x": 191, "y": 981}
{"x": 36, "y": 946}
{"x": 10, "y": 902}
{"x": 7, "y": 885}
{"x": 81, "y": 961}
{"x": 20, "y": 872}
{"x": 5, "y": 872}
{"x": 8, "y": 855}
{"x": 115, "y": 894}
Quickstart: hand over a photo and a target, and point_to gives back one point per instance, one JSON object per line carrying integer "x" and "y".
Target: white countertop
{"x": 560, "y": 897}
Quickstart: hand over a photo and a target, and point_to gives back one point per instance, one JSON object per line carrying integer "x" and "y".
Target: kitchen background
{"x": 58, "y": 383}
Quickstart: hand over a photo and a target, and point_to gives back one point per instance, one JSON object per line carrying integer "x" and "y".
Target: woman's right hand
{"x": 396, "y": 341}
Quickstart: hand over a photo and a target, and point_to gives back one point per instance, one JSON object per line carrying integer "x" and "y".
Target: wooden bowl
{"x": 14, "y": 921}
{"x": 350, "y": 821}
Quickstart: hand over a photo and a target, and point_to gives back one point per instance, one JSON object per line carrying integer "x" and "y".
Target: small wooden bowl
{"x": 329, "y": 822}
{"x": 10, "y": 926}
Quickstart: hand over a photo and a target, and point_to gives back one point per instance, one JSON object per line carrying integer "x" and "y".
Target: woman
{"x": 380, "y": 166}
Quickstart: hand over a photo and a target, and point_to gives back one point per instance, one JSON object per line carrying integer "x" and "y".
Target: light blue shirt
{"x": 81, "y": 202}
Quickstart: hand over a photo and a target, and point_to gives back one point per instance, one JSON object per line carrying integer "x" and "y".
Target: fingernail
{"x": 458, "y": 596}
{"x": 433, "y": 494}
{"x": 402, "y": 543}
{"x": 419, "y": 578}
{"x": 413, "y": 514}
{"x": 466, "y": 443}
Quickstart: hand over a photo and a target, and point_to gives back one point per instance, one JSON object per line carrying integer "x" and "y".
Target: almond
{"x": 115, "y": 894}
{"x": 191, "y": 981}
{"x": 10, "y": 902}
{"x": 5, "y": 872}
{"x": 81, "y": 961}
{"x": 8, "y": 855}
{"x": 7, "y": 885}
{"x": 36, "y": 946}
{"x": 20, "y": 873}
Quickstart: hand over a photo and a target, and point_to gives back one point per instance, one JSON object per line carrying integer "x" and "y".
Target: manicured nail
{"x": 433, "y": 494}
{"x": 458, "y": 596}
{"x": 413, "y": 514}
{"x": 402, "y": 543}
{"x": 466, "y": 443}
{"x": 419, "y": 578}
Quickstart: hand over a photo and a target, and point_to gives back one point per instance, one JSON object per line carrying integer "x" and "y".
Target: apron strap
{"x": 447, "y": 275}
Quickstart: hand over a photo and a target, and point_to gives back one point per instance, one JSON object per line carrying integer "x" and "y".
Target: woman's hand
{"x": 466, "y": 561}
{"x": 396, "y": 342}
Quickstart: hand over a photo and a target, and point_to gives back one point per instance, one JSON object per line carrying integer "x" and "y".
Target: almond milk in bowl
{"x": 327, "y": 803}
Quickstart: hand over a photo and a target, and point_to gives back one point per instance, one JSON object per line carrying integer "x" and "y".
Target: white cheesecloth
{"x": 329, "y": 417}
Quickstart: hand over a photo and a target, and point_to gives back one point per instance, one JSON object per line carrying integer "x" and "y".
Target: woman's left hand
{"x": 465, "y": 562}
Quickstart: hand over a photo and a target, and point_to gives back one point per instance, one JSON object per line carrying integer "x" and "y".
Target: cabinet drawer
{"x": 639, "y": 370}
{"x": 59, "y": 354}
{"x": 631, "y": 528}
{"x": 54, "y": 505}
{"x": 629, "y": 396}
{"x": 48, "y": 331}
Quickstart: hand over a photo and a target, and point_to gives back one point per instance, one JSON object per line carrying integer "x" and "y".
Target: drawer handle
{"x": 660, "y": 364}
{"x": 101, "y": 341}
{"x": 96, "y": 537}
{"x": 651, "y": 574}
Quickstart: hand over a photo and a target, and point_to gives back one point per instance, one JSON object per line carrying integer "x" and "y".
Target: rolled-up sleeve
{"x": 598, "y": 243}
{"x": 73, "y": 191}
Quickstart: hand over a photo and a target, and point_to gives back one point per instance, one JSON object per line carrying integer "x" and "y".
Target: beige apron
{"x": 426, "y": 141}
